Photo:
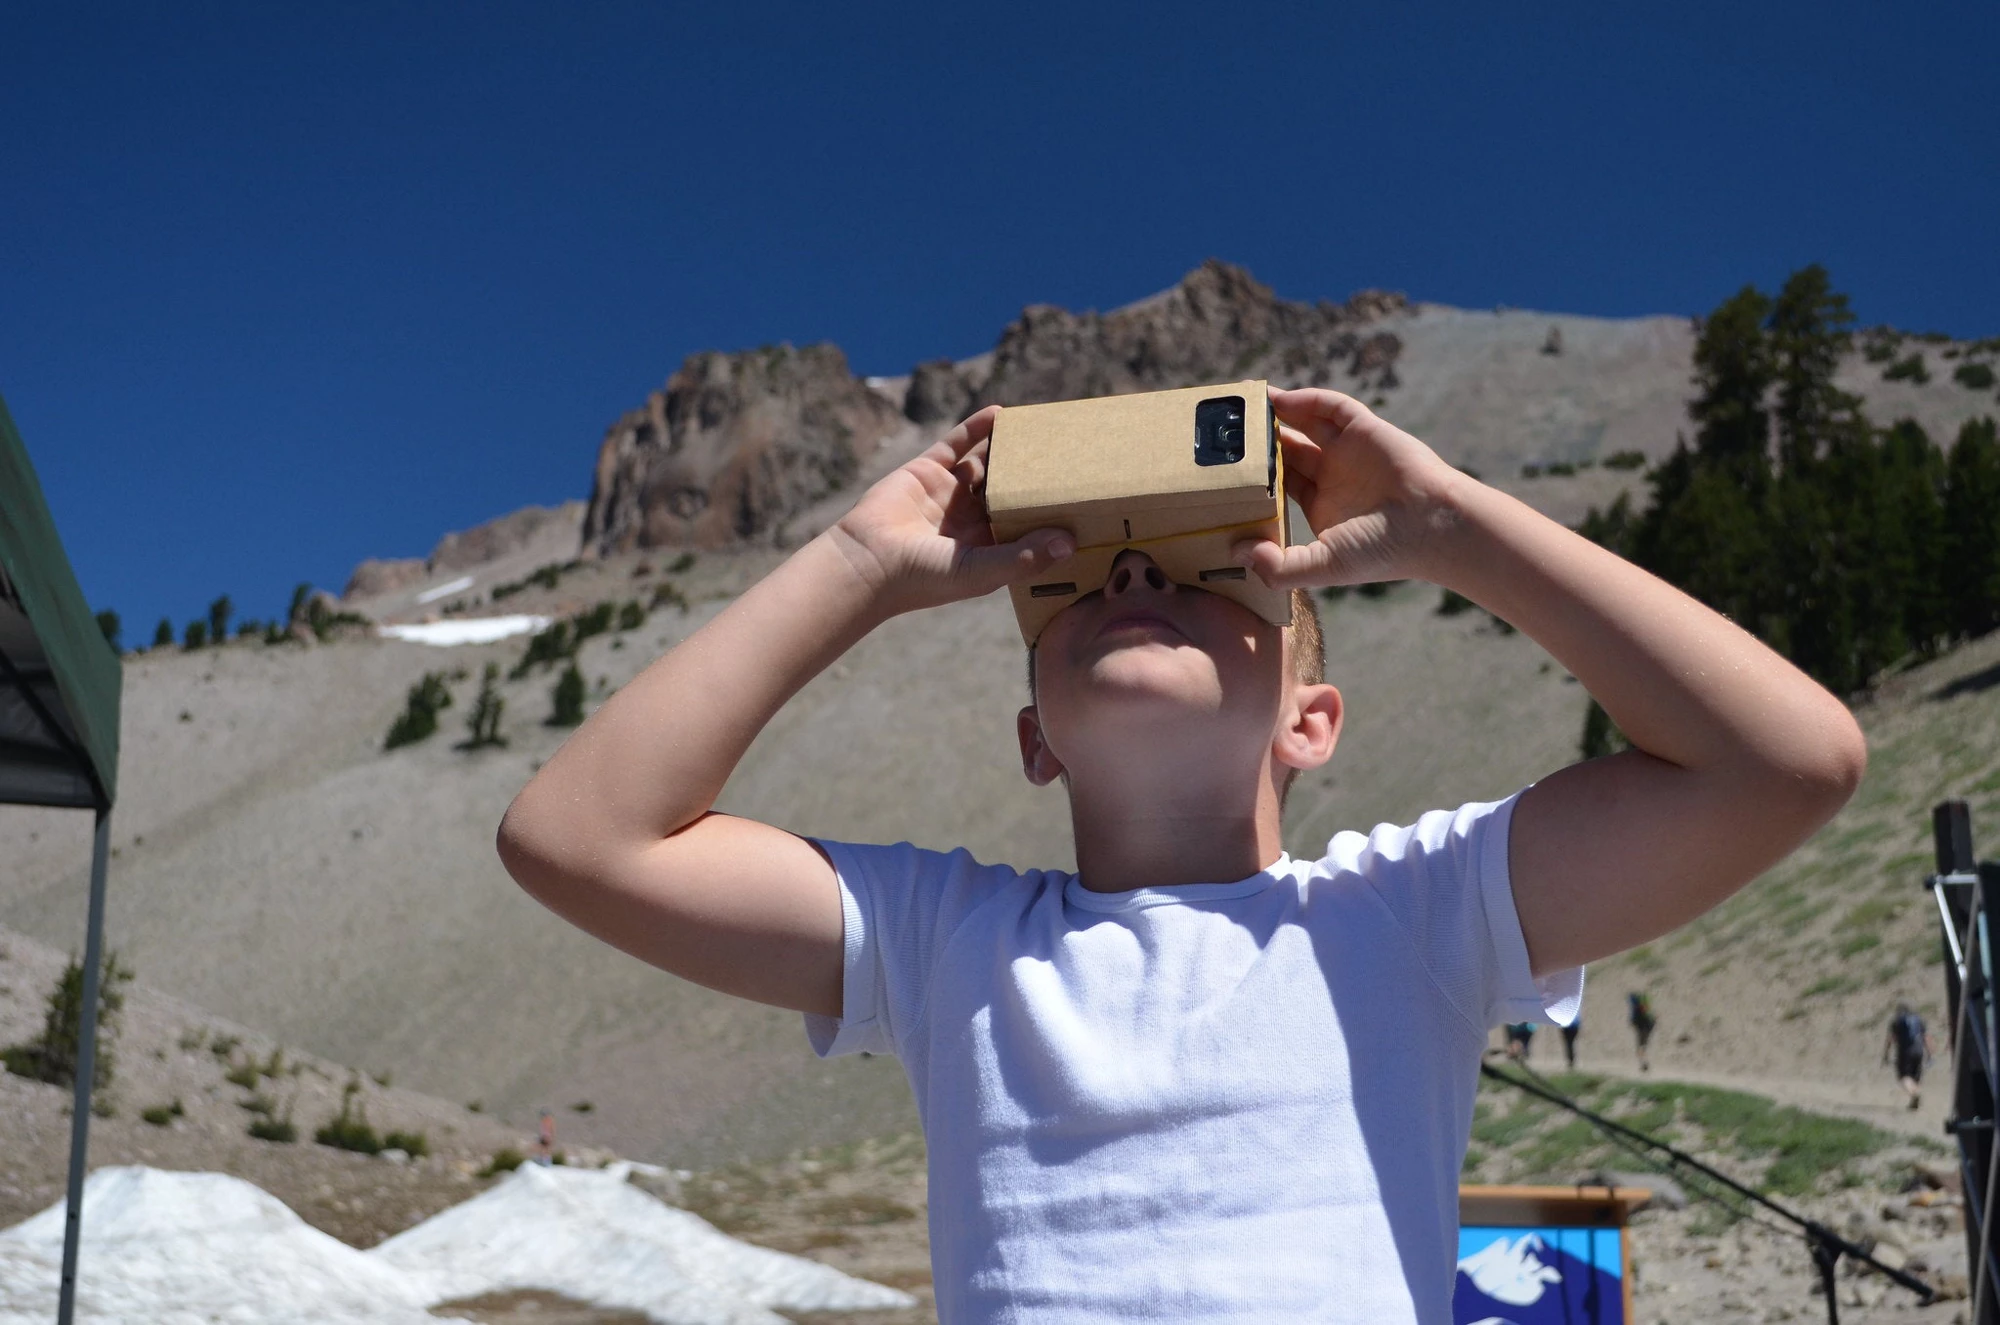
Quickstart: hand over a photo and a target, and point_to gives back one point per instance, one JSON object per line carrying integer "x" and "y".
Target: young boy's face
{"x": 1149, "y": 669}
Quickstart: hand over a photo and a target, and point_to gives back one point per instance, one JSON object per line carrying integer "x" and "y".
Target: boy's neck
{"x": 1137, "y": 836}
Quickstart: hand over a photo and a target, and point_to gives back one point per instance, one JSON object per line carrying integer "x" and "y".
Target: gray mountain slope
{"x": 276, "y": 867}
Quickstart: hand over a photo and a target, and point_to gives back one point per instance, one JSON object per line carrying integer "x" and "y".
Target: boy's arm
{"x": 1736, "y": 755}
{"x": 615, "y": 833}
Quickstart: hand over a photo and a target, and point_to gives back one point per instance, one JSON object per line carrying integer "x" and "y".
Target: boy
{"x": 1198, "y": 1080}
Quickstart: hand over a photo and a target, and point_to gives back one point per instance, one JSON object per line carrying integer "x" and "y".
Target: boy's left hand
{"x": 1373, "y": 494}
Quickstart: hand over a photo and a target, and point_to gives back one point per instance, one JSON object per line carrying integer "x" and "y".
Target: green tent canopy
{"x": 59, "y": 678}
{"x": 60, "y": 682}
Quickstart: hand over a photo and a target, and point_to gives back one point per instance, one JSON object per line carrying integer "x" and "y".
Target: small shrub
{"x": 505, "y": 1160}
{"x": 1559, "y": 469}
{"x": 349, "y": 1129}
{"x": 244, "y": 1075}
{"x": 631, "y": 616}
{"x": 385, "y": 1078}
{"x": 582, "y": 1106}
{"x": 349, "y": 1133}
{"x": 1625, "y": 460}
{"x": 1973, "y": 376}
{"x": 482, "y": 725}
{"x": 566, "y": 698}
{"x": 427, "y": 698}
{"x": 1531, "y": 471}
{"x": 684, "y": 562}
{"x": 281, "y": 1131}
{"x": 259, "y": 1103}
{"x": 223, "y": 1045}
{"x": 1452, "y": 603}
{"x": 163, "y": 1115}
{"x": 668, "y": 595}
{"x": 475, "y": 1106}
{"x": 414, "y": 1144}
{"x": 596, "y": 621}
{"x": 1910, "y": 369}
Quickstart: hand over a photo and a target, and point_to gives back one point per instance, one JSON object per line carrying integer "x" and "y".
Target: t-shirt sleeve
{"x": 897, "y": 906}
{"x": 1446, "y": 879}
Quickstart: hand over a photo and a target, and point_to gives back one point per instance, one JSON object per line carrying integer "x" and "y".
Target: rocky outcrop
{"x": 938, "y": 393}
{"x": 733, "y": 446}
{"x": 1218, "y": 324}
{"x": 505, "y": 536}
{"x": 380, "y": 576}
{"x": 551, "y": 529}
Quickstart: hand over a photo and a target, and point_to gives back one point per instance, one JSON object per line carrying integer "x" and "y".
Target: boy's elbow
{"x": 525, "y": 848}
{"x": 1831, "y": 768}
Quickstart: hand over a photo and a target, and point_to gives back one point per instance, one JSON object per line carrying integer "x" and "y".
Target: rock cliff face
{"x": 733, "y": 445}
{"x": 737, "y": 444}
{"x": 1218, "y": 324}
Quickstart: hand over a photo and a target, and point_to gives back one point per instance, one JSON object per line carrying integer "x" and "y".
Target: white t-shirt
{"x": 1218, "y": 1102}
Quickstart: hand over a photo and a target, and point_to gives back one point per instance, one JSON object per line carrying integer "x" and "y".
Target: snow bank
{"x": 165, "y": 1248}
{"x": 590, "y": 1235}
{"x": 198, "y": 1249}
{"x": 469, "y": 630}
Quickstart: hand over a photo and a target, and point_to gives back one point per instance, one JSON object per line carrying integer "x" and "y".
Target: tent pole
{"x": 86, "y": 1068}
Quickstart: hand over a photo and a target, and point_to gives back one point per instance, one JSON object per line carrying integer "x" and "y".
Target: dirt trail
{"x": 1881, "y": 1104}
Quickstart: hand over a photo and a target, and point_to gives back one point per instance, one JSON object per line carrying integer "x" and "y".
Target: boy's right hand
{"x": 920, "y": 537}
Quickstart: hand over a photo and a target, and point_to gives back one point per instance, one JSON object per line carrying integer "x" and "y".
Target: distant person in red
{"x": 545, "y": 1146}
{"x": 1643, "y": 1022}
{"x": 1910, "y": 1041}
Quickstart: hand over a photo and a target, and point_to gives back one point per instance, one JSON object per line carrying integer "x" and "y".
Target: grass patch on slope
{"x": 1775, "y": 1148}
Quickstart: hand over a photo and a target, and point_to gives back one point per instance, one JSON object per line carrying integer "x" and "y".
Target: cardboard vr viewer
{"x": 1181, "y": 475}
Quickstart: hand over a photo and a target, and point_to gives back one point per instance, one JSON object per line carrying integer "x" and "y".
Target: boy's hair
{"x": 1306, "y": 649}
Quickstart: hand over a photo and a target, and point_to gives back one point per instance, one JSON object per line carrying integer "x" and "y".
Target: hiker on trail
{"x": 1196, "y": 1078}
{"x": 1520, "y": 1034}
{"x": 1569, "y": 1042}
{"x": 1643, "y": 1022}
{"x": 1910, "y": 1041}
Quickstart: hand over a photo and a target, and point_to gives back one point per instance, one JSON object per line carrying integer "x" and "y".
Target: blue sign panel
{"x": 1528, "y": 1276}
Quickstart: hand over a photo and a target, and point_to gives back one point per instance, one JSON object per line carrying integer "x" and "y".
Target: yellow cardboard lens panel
{"x": 1122, "y": 471}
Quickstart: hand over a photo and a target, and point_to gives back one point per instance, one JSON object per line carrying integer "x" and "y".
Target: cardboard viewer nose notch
{"x": 1123, "y": 472}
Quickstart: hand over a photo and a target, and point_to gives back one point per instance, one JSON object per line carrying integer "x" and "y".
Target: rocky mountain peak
{"x": 731, "y": 446}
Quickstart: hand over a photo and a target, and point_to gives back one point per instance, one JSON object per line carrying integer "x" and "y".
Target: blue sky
{"x": 286, "y": 286}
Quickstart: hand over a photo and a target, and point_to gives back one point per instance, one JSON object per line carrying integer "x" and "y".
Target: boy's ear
{"x": 1038, "y": 762}
{"x": 1307, "y": 740}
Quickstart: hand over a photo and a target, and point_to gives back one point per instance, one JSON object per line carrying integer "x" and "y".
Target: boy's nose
{"x": 1134, "y": 571}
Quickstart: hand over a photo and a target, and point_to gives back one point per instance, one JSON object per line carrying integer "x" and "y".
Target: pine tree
{"x": 1733, "y": 373}
{"x": 218, "y": 619}
{"x": 566, "y": 698}
{"x": 1972, "y": 530}
{"x": 107, "y": 621}
{"x": 163, "y": 634}
{"x": 301, "y": 595}
{"x": 1808, "y": 333}
{"x": 196, "y": 635}
{"x": 52, "y": 1056}
{"x": 483, "y": 723}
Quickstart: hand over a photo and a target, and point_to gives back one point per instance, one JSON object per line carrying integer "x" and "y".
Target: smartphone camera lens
{"x": 1218, "y": 431}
